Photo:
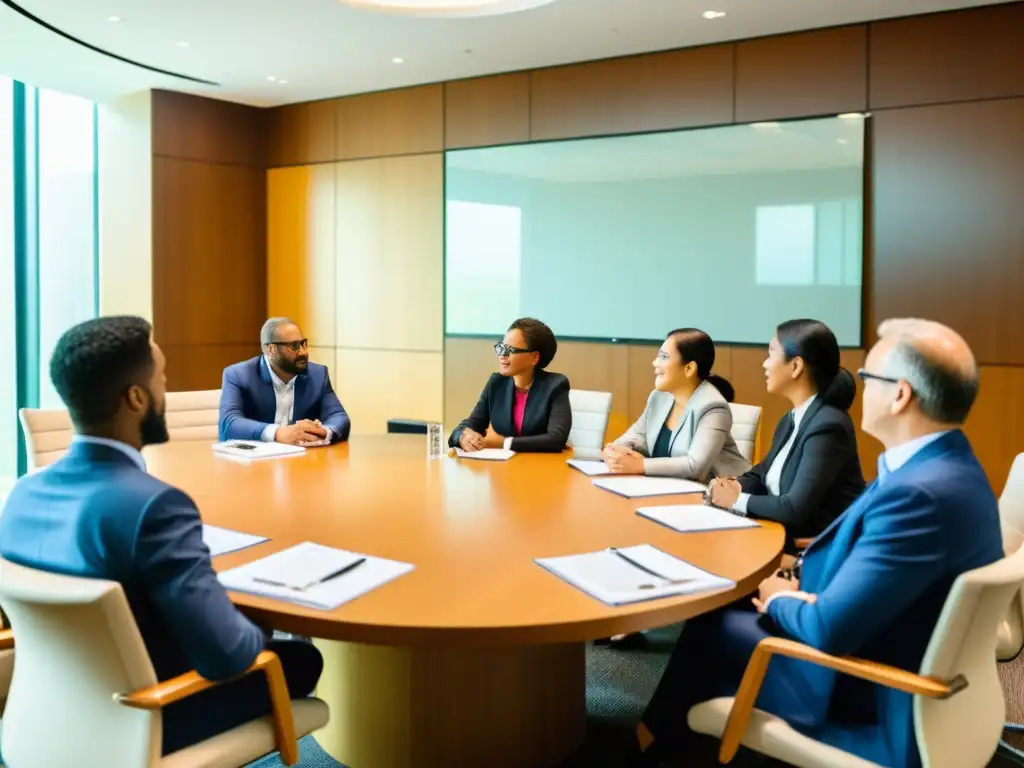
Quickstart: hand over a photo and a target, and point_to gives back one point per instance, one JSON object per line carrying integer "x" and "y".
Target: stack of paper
{"x": 486, "y": 454}
{"x": 589, "y": 467}
{"x": 637, "y": 486}
{"x": 693, "y": 518}
{"x": 632, "y": 574}
{"x": 220, "y": 541}
{"x": 313, "y": 575}
{"x": 255, "y": 449}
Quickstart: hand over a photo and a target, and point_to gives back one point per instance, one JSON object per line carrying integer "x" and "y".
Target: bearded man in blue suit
{"x": 873, "y": 584}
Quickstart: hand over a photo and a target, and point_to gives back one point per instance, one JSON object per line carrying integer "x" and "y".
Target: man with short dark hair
{"x": 874, "y": 583}
{"x": 97, "y": 513}
{"x": 280, "y": 396}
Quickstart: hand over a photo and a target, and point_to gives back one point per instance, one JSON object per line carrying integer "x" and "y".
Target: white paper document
{"x": 313, "y": 575}
{"x": 638, "y": 486}
{"x": 632, "y": 574}
{"x": 693, "y": 518}
{"x": 586, "y": 453}
{"x": 486, "y": 454}
{"x": 256, "y": 449}
{"x": 222, "y": 540}
{"x": 589, "y": 467}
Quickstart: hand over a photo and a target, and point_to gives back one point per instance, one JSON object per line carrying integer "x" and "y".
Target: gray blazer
{"x": 701, "y": 447}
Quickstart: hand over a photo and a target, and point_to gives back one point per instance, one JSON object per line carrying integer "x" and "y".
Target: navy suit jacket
{"x": 96, "y": 514}
{"x": 882, "y": 572}
{"x": 248, "y": 403}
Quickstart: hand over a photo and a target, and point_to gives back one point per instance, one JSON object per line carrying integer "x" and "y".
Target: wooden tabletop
{"x": 471, "y": 528}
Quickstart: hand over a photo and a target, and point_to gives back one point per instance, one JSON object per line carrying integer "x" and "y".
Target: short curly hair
{"x": 96, "y": 361}
{"x": 539, "y": 338}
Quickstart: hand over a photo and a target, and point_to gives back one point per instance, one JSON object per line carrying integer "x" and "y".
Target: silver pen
{"x": 640, "y": 566}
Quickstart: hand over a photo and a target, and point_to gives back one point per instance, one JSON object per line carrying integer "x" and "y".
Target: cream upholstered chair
{"x": 1011, "y": 518}
{"x": 48, "y": 435}
{"x": 590, "y": 412}
{"x": 958, "y": 699}
{"x": 193, "y": 415}
{"x": 85, "y": 693}
{"x": 746, "y": 429}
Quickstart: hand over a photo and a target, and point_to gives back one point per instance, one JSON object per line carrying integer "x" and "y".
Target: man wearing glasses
{"x": 280, "y": 396}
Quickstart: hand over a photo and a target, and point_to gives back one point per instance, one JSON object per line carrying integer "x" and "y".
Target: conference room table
{"x": 477, "y": 656}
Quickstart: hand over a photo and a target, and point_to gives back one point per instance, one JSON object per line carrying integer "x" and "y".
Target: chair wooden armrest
{"x": 6, "y": 639}
{"x": 883, "y": 674}
{"x": 803, "y": 544}
{"x": 160, "y": 695}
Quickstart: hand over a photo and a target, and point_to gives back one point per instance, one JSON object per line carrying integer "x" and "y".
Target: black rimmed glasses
{"x": 294, "y": 346}
{"x": 865, "y": 376}
{"x": 504, "y": 350}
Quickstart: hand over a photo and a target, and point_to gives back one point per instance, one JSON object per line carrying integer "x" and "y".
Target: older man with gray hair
{"x": 280, "y": 396}
{"x": 873, "y": 584}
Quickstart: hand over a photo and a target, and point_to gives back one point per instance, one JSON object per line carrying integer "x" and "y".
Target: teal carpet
{"x": 619, "y": 685}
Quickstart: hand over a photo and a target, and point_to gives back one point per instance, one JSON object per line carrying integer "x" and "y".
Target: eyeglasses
{"x": 504, "y": 350}
{"x": 865, "y": 376}
{"x": 294, "y": 346}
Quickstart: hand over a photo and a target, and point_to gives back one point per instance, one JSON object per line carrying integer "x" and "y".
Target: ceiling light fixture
{"x": 113, "y": 19}
{"x": 183, "y": 44}
{"x": 282, "y": 82}
{"x": 447, "y": 8}
{"x": 709, "y": 15}
{"x": 398, "y": 60}
{"x": 764, "y": 125}
{"x": 271, "y": 78}
{"x": 851, "y": 116}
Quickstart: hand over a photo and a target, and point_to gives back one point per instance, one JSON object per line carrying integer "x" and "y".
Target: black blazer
{"x": 546, "y": 422}
{"x": 821, "y": 476}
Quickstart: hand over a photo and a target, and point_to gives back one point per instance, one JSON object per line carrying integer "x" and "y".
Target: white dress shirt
{"x": 284, "y": 395}
{"x": 774, "y": 476}
{"x": 117, "y": 445}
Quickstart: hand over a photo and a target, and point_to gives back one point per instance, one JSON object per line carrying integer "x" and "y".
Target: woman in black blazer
{"x": 812, "y": 472}
{"x": 523, "y": 407}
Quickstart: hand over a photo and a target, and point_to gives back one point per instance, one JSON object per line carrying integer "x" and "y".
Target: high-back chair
{"x": 1011, "y": 519}
{"x": 746, "y": 430}
{"x": 590, "y": 412}
{"x": 193, "y": 415}
{"x": 958, "y": 699}
{"x": 48, "y": 435}
{"x": 85, "y": 693}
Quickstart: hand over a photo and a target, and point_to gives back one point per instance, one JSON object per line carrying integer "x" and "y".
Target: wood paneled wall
{"x": 209, "y": 235}
{"x": 945, "y": 239}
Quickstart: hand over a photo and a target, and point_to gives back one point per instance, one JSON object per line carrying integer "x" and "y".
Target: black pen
{"x": 332, "y": 575}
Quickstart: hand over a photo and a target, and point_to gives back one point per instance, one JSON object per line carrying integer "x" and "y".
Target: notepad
{"x": 256, "y": 449}
{"x": 694, "y": 518}
{"x": 486, "y": 454}
{"x": 589, "y": 467}
{"x": 635, "y": 487}
{"x": 297, "y": 570}
{"x": 220, "y": 541}
{"x": 633, "y": 575}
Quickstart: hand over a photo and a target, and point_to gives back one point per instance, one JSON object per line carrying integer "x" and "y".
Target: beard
{"x": 153, "y": 428}
{"x": 293, "y": 367}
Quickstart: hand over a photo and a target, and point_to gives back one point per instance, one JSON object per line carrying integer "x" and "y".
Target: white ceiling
{"x": 324, "y": 48}
{"x": 799, "y": 145}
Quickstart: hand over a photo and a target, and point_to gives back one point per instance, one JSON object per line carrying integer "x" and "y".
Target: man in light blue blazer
{"x": 97, "y": 513}
{"x": 873, "y": 584}
{"x": 281, "y": 396}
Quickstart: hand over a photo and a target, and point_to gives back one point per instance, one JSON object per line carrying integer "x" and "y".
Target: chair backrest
{"x": 77, "y": 646}
{"x": 965, "y": 728}
{"x": 48, "y": 435}
{"x": 1011, "y": 518}
{"x": 746, "y": 428}
{"x": 589, "y": 418}
{"x": 193, "y": 415}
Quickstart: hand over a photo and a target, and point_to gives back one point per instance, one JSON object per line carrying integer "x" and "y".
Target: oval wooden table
{"x": 476, "y": 658}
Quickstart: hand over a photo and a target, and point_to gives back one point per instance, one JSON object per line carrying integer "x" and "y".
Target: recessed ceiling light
{"x": 271, "y": 78}
{"x": 183, "y": 44}
{"x": 851, "y": 116}
{"x": 842, "y": 141}
{"x": 113, "y": 19}
{"x": 709, "y": 15}
{"x": 447, "y": 7}
{"x": 398, "y": 60}
{"x": 282, "y": 82}
{"x": 764, "y": 125}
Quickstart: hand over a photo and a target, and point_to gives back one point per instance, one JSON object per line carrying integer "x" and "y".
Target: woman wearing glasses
{"x": 685, "y": 429}
{"x": 523, "y": 407}
{"x": 812, "y": 472}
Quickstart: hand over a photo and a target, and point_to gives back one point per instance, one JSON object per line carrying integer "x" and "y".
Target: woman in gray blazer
{"x": 685, "y": 430}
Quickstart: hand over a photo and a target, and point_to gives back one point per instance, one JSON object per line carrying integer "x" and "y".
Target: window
{"x": 48, "y": 244}
{"x": 785, "y": 244}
